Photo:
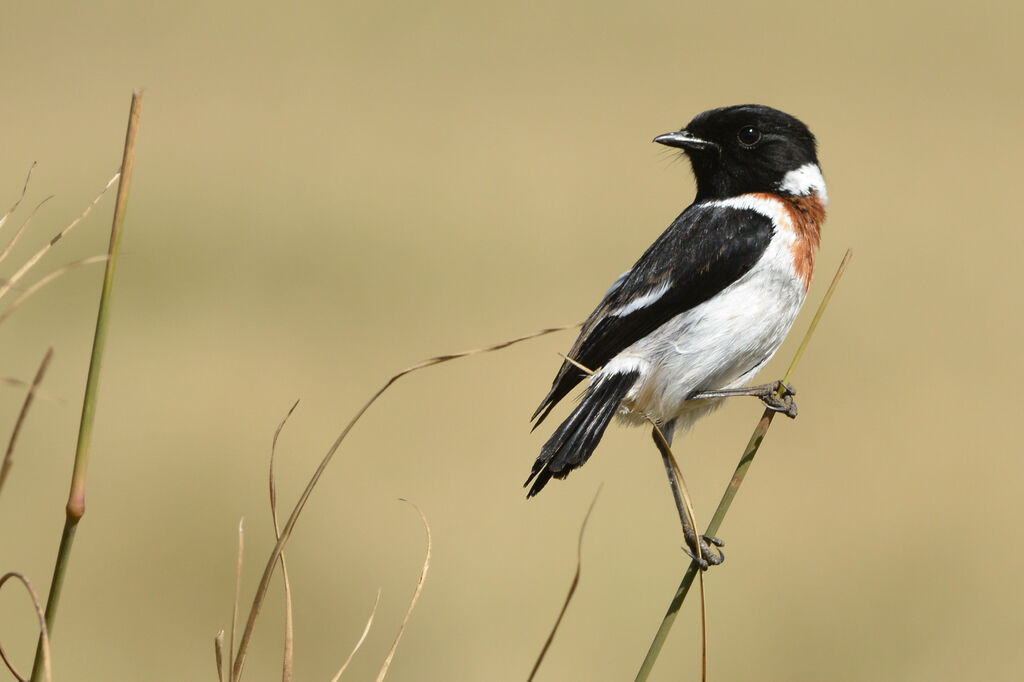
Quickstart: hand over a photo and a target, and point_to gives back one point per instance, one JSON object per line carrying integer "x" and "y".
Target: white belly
{"x": 721, "y": 343}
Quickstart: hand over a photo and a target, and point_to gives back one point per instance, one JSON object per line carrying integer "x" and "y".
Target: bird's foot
{"x": 778, "y": 397}
{"x": 708, "y": 557}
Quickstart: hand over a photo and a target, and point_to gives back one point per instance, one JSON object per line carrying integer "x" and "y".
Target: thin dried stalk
{"x": 8, "y": 455}
{"x": 362, "y": 638}
{"x": 268, "y": 571}
{"x": 17, "y": 202}
{"x": 238, "y": 588}
{"x": 415, "y": 597}
{"x": 35, "y": 258}
{"x": 572, "y": 590}
{"x": 47, "y": 280}
{"x": 289, "y": 624}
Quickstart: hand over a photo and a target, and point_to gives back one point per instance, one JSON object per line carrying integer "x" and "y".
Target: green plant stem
{"x": 734, "y": 485}
{"x": 76, "y": 498}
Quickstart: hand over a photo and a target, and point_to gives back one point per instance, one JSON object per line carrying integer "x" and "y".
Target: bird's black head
{"x": 749, "y": 148}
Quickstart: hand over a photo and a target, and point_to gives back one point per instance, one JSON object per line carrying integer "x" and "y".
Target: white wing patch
{"x": 642, "y": 301}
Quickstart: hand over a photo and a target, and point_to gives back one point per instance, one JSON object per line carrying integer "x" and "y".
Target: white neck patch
{"x": 805, "y": 180}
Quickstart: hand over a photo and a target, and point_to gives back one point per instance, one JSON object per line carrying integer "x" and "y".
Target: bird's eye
{"x": 748, "y": 136}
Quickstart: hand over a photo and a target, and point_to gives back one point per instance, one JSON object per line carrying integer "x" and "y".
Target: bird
{"x": 708, "y": 304}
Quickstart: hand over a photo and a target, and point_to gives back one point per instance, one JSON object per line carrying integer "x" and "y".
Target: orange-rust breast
{"x": 806, "y": 215}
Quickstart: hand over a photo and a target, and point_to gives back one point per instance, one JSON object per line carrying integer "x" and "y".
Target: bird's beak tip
{"x": 683, "y": 139}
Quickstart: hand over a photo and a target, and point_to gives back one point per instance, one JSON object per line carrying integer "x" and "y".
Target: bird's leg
{"x": 768, "y": 393}
{"x": 706, "y": 556}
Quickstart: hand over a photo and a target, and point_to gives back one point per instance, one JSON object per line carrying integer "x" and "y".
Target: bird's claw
{"x": 779, "y": 398}
{"x": 708, "y": 556}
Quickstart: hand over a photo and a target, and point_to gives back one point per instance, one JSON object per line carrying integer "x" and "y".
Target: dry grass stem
{"x": 362, "y": 638}
{"x": 28, "y": 265}
{"x": 289, "y": 624}
{"x": 415, "y": 597}
{"x": 264, "y": 584}
{"x": 577, "y": 365}
{"x": 238, "y": 588}
{"x": 46, "y": 280}
{"x": 17, "y": 202}
{"x": 683, "y": 490}
{"x": 572, "y": 590}
{"x": 44, "y": 634}
{"x": 14, "y": 207}
{"x": 8, "y": 455}
{"x": 21, "y": 230}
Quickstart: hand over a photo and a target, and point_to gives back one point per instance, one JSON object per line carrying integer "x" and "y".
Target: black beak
{"x": 684, "y": 140}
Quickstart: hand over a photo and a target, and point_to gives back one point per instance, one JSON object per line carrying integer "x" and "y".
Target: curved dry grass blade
{"x": 362, "y": 638}
{"x": 218, "y": 651}
{"x": 238, "y": 588}
{"x": 10, "y": 665}
{"x": 268, "y": 571}
{"x": 44, "y": 634}
{"x": 6, "y": 286}
{"x": 684, "y": 492}
{"x": 46, "y": 280}
{"x": 289, "y": 623}
{"x": 733, "y": 487}
{"x": 21, "y": 230}
{"x": 415, "y": 596}
{"x": 572, "y": 589}
{"x": 24, "y": 188}
{"x": 8, "y": 461}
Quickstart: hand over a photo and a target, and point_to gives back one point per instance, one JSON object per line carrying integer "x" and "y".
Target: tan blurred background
{"x": 326, "y": 193}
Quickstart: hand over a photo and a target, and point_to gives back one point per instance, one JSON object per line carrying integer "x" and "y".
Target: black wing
{"x": 706, "y": 248}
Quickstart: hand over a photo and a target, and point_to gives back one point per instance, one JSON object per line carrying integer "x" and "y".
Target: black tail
{"x": 572, "y": 443}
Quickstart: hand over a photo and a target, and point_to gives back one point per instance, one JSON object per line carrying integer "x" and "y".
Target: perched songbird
{"x": 710, "y": 302}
